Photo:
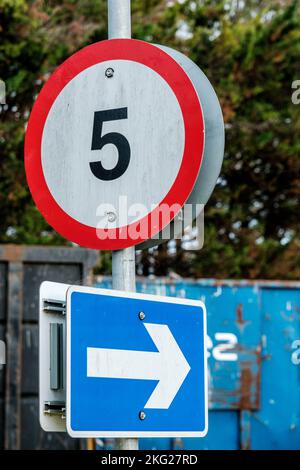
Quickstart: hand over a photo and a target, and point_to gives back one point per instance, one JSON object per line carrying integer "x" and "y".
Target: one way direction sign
{"x": 168, "y": 365}
{"x": 136, "y": 365}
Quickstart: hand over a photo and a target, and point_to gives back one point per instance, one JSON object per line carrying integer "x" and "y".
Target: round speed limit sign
{"x": 114, "y": 144}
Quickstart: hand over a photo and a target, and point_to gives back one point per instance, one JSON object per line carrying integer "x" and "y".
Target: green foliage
{"x": 251, "y": 56}
{"x": 35, "y": 37}
{"x": 249, "y": 51}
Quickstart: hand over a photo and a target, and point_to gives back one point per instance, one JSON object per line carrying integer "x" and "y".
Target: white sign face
{"x": 135, "y": 104}
{"x": 114, "y": 144}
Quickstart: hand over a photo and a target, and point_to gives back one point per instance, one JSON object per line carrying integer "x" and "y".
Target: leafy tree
{"x": 250, "y": 54}
{"x": 35, "y": 37}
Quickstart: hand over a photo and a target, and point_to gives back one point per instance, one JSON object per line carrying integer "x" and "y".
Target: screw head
{"x": 142, "y": 415}
{"x": 109, "y": 72}
{"x": 142, "y": 316}
{"x": 111, "y": 216}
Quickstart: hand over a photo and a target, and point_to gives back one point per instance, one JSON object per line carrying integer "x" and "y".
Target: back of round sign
{"x": 214, "y": 142}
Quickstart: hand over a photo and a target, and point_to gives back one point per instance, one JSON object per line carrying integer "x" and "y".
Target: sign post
{"x": 123, "y": 261}
{"x": 123, "y": 277}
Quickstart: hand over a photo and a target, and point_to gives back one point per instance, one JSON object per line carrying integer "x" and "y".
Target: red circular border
{"x": 174, "y": 75}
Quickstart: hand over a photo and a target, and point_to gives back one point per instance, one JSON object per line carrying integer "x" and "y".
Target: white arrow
{"x": 168, "y": 365}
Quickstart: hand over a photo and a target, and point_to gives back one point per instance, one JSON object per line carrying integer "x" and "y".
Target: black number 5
{"x": 98, "y": 142}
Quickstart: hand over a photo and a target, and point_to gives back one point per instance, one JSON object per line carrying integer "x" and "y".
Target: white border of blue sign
{"x": 133, "y": 295}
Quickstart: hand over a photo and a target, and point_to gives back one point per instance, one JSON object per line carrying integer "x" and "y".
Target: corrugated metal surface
{"x": 22, "y": 269}
{"x": 254, "y": 385}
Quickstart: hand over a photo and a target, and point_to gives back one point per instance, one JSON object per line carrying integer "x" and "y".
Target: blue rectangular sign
{"x": 136, "y": 365}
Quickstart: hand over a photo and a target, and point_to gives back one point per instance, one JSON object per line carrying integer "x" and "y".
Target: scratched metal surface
{"x": 22, "y": 269}
{"x": 254, "y": 385}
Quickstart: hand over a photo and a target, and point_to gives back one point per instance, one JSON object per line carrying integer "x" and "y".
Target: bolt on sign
{"x": 116, "y": 143}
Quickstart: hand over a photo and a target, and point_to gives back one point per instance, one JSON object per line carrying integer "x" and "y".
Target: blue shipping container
{"x": 254, "y": 362}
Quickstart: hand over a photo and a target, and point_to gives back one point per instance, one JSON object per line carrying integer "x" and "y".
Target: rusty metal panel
{"x": 277, "y": 424}
{"x": 255, "y": 391}
{"x": 2, "y": 367}
{"x": 12, "y": 419}
{"x": 1, "y": 421}
{"x": 35, "y": 273}
{"x": 234, "y": 330}
{"x": 45, "y": 254}
{"x": 37, "y": 438}
{"x": 30, "y": 359}
{"x": 234, "y": 326}
{"x": 245, "y": 430}
{"x": 22, "y": 269}
{"x": 3, "y": 290}
{"x": 255, "y": 399}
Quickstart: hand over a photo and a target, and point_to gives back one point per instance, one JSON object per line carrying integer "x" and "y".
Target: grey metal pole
{"x": 119, "y": 19}
{"x": 123, "y": 277}
{"x": 123, "y": 269}
{"x": 123, "y": 261}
